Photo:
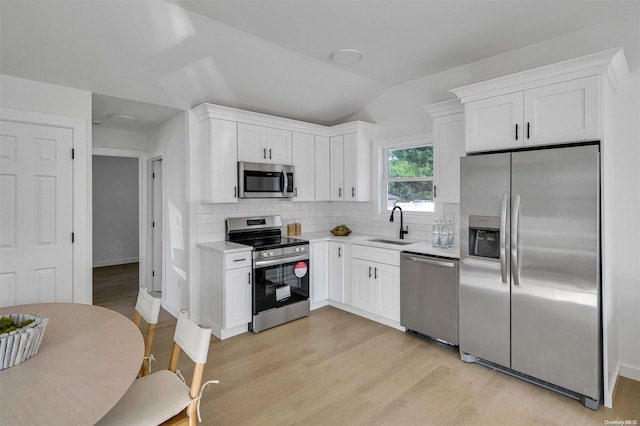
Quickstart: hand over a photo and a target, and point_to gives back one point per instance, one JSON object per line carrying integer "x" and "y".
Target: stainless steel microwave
{"x": 261, "y": 180}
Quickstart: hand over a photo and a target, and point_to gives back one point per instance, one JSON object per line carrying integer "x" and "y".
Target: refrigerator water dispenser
{"x": 484, "y": 236}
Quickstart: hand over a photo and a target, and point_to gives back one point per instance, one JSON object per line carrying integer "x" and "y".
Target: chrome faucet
{"x": 402, "y": 228}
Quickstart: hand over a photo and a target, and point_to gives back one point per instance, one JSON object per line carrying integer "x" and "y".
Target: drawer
{"x": 373, "y": 254}
{"x": 238, "y": 260}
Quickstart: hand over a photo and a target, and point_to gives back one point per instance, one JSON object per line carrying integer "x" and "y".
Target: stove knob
{"x": 297, "y": 249}
{"x": 265, "y": 254}
{"x": 270, "y": 253}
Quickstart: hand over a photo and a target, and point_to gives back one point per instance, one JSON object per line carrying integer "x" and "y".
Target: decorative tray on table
{"x": 20, "y": 337}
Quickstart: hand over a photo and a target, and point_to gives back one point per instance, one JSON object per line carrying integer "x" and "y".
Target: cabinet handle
{"x": 249, "y": 277}
{"x": 516, "y": 131}
{"x": 235, "y": 192}
{"x": 528, "y": 129}
{"x": 435, "y": 191}
{"x": 295, "y": 192}
{"x": 264, "y": 153}
{"x": 339, "y": 192}
{"x": 240, "y": 260}
{"x": 375, "y": 273}
{"x": 353, "y": 191}
{"x": 339, "y": 251}
{"x": 369, "y": 271}
{"x": 269, "y": 153}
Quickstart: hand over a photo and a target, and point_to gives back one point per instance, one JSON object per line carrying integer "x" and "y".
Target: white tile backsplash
{"x": 321, "y": 216}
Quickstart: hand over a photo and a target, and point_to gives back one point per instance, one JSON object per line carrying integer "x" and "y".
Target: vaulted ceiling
{"x": 267, "y": 56}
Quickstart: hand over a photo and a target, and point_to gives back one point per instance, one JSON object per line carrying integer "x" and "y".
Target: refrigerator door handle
{"x": 515, "y": 260}
{"x": 503, "y": 237}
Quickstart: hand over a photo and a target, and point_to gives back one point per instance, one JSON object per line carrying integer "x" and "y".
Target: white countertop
{"x": 225, "y": 247}
{"x": 421, "y": 247}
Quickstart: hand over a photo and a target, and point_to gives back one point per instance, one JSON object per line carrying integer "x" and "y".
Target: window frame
{"x": 382, "y": 148}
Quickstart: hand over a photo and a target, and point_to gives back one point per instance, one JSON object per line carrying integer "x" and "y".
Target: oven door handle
{"x": 281, "y": 261}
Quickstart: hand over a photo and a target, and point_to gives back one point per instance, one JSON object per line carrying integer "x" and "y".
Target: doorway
{"x": 116, "y": 222}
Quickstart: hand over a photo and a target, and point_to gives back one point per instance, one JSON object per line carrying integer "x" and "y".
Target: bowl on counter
{"x": 340, "y": 233}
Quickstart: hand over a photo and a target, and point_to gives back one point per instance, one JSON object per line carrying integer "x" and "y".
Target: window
{"x": 408, "y": 178}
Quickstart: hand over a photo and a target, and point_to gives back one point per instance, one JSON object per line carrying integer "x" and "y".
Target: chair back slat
{"x": 193, "y": 339}
{"x": 148, "y": 306}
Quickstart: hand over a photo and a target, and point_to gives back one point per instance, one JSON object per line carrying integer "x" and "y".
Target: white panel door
{"x": 35, "y": 214}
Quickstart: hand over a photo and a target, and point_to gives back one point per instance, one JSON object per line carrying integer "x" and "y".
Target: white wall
{"x": 105, "y": 137}
{"x": 115, "y": 210}
{"x": 32, "y": 95}
{"x": 398, "y": 112}
{"x": 170, "y": 141}
{"x": 626, "y": 255}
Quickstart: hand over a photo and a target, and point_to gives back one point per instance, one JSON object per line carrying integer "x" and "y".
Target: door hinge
{"x": 73, "y": 237}
{"x": 153, "y": 273}
{"x": 73, "y": 153}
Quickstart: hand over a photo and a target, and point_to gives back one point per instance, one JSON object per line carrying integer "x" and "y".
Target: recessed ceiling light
{"x": 346, "y": 56}
{"x": 123, "y": 118}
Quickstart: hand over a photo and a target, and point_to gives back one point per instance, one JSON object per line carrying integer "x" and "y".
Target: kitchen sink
{"x": 396, "y": 242}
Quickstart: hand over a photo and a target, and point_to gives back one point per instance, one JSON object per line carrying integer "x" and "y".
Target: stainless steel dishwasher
{"x": 429, "y": 296}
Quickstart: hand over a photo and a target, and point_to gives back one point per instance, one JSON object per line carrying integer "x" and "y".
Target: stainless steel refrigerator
{"x": 529, "y": 296}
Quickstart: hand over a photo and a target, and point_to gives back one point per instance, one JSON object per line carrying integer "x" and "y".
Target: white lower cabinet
{"x": 339, "y": 265}
{"x": 319, "y": 285}
{"x": 376, "y": 285}
{"x": 225, "y": 292}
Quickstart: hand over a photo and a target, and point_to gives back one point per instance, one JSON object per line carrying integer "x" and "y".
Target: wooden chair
{"x": 163, "y": 396}
{"x": 147, "y": 307}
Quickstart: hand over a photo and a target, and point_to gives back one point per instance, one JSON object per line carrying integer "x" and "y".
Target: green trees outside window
{"x": 410, "y": 178}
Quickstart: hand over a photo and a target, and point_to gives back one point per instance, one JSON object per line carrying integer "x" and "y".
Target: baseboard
{"x": 630, "y": 372}
{"x": 319, "y": 304}
{"x": 367, "y": 315}
{"x": 112, "y": 262}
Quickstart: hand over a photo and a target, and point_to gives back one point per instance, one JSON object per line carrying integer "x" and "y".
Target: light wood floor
{"x": 335, "y": 368}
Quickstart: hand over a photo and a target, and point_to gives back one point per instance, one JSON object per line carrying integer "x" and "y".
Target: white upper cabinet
{"x": 561, "y": 112}
{"x": 213, "y": 160}
{"x": 351, "y": 163}
{"x": 326, "y": 169}
{"x": 558, "y": 103}
{"x": 494, "y": 123}
{"x": 322, "y": 169}
{"x": 261, "y": 144}
{"x": 304, "y": 162}
{"x": 448, "y": 147}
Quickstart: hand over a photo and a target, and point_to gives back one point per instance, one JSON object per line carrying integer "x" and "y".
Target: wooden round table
{"x": 88, "y": 359}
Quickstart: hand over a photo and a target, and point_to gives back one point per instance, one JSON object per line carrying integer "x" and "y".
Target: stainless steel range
{"x": 281, "y": 266}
